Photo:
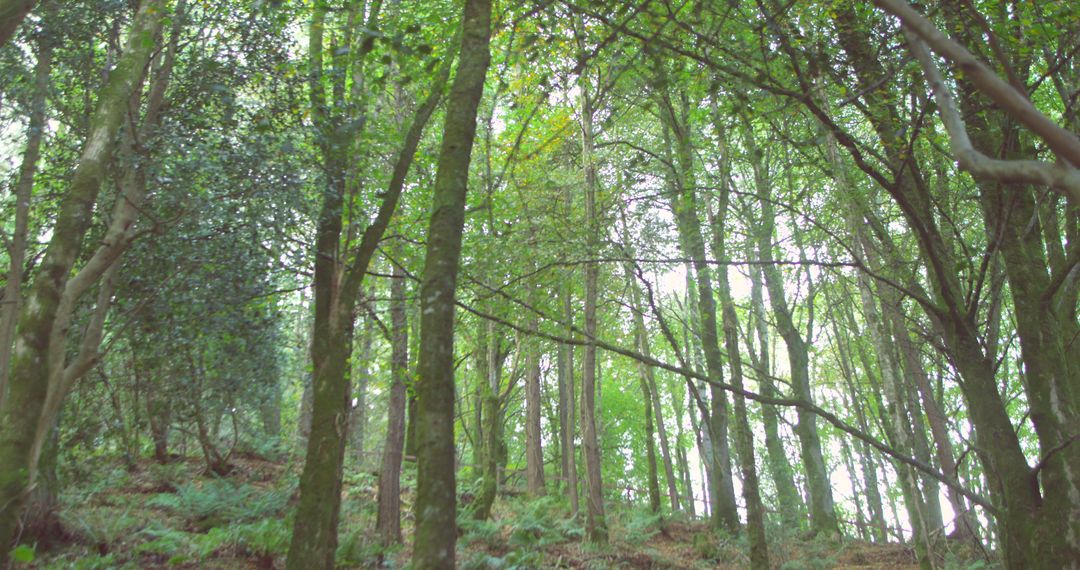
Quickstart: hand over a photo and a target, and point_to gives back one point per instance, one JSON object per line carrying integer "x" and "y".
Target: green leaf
{"x": 23, "y": 553}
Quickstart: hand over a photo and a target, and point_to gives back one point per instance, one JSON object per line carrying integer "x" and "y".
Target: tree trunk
{"x": 744, "y": 437}
{"x": 159, "y": 412}
{"x": 789, "y": 501}
{"x": 388, "y": 522}
{"x": 684, "y": 203}
{"x": 314, "y": 537}
{"x": 595, "y": 521}
{"x": 303, "y": 428}
{"x": 12, "y": 13}
{"x": 24, "y": 187}
{"x": 1038, "y": 268}
{"x": 858, "y": 490}
{"x": 338, "y": 280}
{"x": 37, "y": 364}
{"x": 822, "y": 508}
{"x": 534, "y": 453}
{"x": 567, "y": 407}
{"x": 1031, "y": 529}
{"x": 648, "y": 376}
{"x": 867, "y": 465}
{"x": 943, "y": 448}
{"x": 358, "y": 412}
{"x": 645, "y": 373}
{"x": 40, "y": 522}
{"x": 436, "y": 525}
{"x": 490, "y": 426}
{"x": 680, "y": 455}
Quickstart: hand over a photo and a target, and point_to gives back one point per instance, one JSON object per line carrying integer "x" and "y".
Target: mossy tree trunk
{"x": 490, "y": 359}
{"x": 1033, "y": 530}
{"x": 37, "y": 375}
{"x": 339, "y": 276}
{"x": 822, "y": 506}
{"x": 744, "y": 437}
{"x": 595, "y": 519}
{"x": 24, "y": 187}
{"x": 683, "y": 183}
{"x": 789, "y": 501}
{"x": 436, "y": 500}
{"x": 645, "y": 373}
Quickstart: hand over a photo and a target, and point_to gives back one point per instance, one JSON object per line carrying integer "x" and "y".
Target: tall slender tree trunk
{"x": 489, "y": 433}
{"x": 338, "y": 280}
{"x": 665, "y": 446}
{"x": 684, "y": 203}
{"x": 789, "y": 500}
{"x": 534, "y": 451}
{"x": 645, "y": 373}
{"x": 858, "y": 489}
{"x": 567, "y": 407}
{"x": 822, "y": 508}
{"x": 595, "y": 521}
{"x": 898, "y": 427}
{"x": 680, "y": 451}
{"x": 867, "y": 465}
{"x": 388, "y": 522}
{"x": 1039, "y": 261}
{"x": 1030, "y": 528}
{"x": 436, "y": 525}
{"x": 362, "y": 372}
{"x": 744, "y": 437}
{"x": 314, "y": 538}
{"x": 943, "y": 449}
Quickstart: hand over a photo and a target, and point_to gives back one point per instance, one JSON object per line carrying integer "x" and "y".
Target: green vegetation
{"x": 561, "y": 284}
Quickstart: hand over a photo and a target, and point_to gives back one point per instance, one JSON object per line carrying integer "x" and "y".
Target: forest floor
{"x": 174, "y": 516}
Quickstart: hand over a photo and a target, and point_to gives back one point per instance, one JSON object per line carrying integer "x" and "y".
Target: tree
{"x": 337, "y": 282}
{"x": 436, "y": 528}
{"x": 39, "y": 375}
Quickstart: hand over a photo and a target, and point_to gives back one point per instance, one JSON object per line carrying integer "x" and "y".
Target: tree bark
{"x": 567, "y": 408}
{"x": 12, "y": 13}
{"x": 1030, "y": 528}
{"x": 595, "y": 520}
{"x": 37, "y": 364}
{"x": 822, "y": 507}
{"x": 337, "y": 284}
{"x": 645, "y": 373}
{"x": 867, "y": 465}
{"x": 436, "y": 525}
{"x": 24, "y": 187}
{"x": 789, "y": 500}
{"x": 490, "y": 426}
{"x": 680, "y": 451}
{"x": 684, "y": 203}
{"x": 744, "y": 437}
{"x": 358, "y": 412}
{"x": 943, "y": 448}
{"x": 534, "y": 453}
{"x": 388, "y": 522}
